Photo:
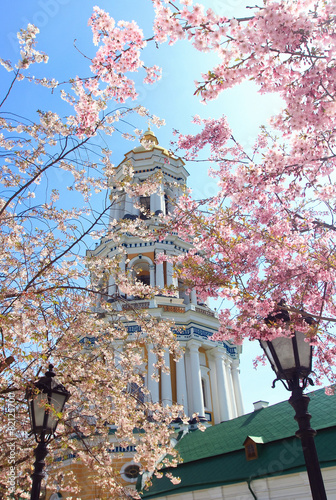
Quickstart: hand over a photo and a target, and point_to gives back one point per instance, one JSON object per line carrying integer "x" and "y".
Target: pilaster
{"x": 237, "y": 388}
{"x": 222, "y": 391}
{"x": 181, "y": 384}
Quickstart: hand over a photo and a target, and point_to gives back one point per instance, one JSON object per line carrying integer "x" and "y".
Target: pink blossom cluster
{"x": 285, "y": 47}
{"x": 203, "y": 28}
{"x": 120, "y": 46}
{"x": 29, "y": 55}
{"x": 215, "y": 133}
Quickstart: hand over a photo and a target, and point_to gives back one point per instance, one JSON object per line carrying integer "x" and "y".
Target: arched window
{"x": 141, "y": 272}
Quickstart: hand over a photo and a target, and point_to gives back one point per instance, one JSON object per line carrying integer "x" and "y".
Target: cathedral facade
{"x": 206, "y": 378}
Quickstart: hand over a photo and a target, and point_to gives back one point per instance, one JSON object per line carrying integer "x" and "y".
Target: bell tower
{"x": 205, "y": 380}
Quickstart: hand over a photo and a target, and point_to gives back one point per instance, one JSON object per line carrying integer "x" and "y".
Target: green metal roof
{"x": 217, "y": 456}
{"x": 271, "y": 423}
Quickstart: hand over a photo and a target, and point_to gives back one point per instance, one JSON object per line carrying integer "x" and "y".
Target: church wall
{"x": 195, "y": 322}
{"x": 285, "y": 487}
{"x": 131, "y": 256}
{"x": 84, "y": 477}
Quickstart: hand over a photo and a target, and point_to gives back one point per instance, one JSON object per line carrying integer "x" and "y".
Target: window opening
{"x": 203, "y": 392}
{"x": 131, "y": 471}
{"x": 144, "y": 278}
{"x": 136, "y": 392}
{"x": 250, "y": 451}
{"x": 144, "y": 207}
{"x": 166, "y": 200}
{"x": 141, "y": 273}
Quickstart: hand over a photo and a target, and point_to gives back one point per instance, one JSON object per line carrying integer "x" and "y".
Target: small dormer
{"x": 259, "y": 405}
{"x": 252, "y": 447}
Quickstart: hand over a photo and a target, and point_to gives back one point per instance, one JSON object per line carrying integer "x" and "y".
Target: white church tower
{"x": 206, "y": 379}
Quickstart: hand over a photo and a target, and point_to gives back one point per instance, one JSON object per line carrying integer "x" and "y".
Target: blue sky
{"x": 63, "y": 21}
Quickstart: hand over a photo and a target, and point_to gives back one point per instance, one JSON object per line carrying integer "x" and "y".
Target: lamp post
{"x": 291, "y": 359}
{"x": 46, "y": 399}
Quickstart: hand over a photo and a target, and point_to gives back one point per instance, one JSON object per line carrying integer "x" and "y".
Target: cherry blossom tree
{"x": 53, "y": 298}
{"x": 269, "y": 234}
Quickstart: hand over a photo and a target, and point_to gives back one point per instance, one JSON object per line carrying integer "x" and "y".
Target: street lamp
{"x": 291, "y": 359}
{"x": 46, "y": 399}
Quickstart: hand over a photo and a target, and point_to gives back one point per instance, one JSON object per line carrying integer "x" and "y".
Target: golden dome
{"x": 149, "y": 136}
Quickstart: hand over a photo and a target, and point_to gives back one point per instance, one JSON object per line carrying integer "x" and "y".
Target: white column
{"x": 115, "y": 209}
{"x": 117, "y": 354}
{"x": 130, "y": 275}
{"x": 187, "y": 364}
{"x": 198, "y": 406}
{"x": 171, "y": 279}
{"x": 169, "y": 273}
{"x": 153, "y": 385}
{"x": 236, "y": 387}
{"x": 152, "y": 275}
{"x": 122, "y": 266}
{"x": 166, "y": 389}
{"x": 230, "y": 393}
{"x": 129, "y": 205}
{"x": 159, "y": 281}
{"x": 221, "y": 381}
{"x": 181, "y": 385}
{"x": 214, "y": 386}
{"x": 157, "y": 201}
{"x": 112, "y": 287}
{"x": 193, "y": 296}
